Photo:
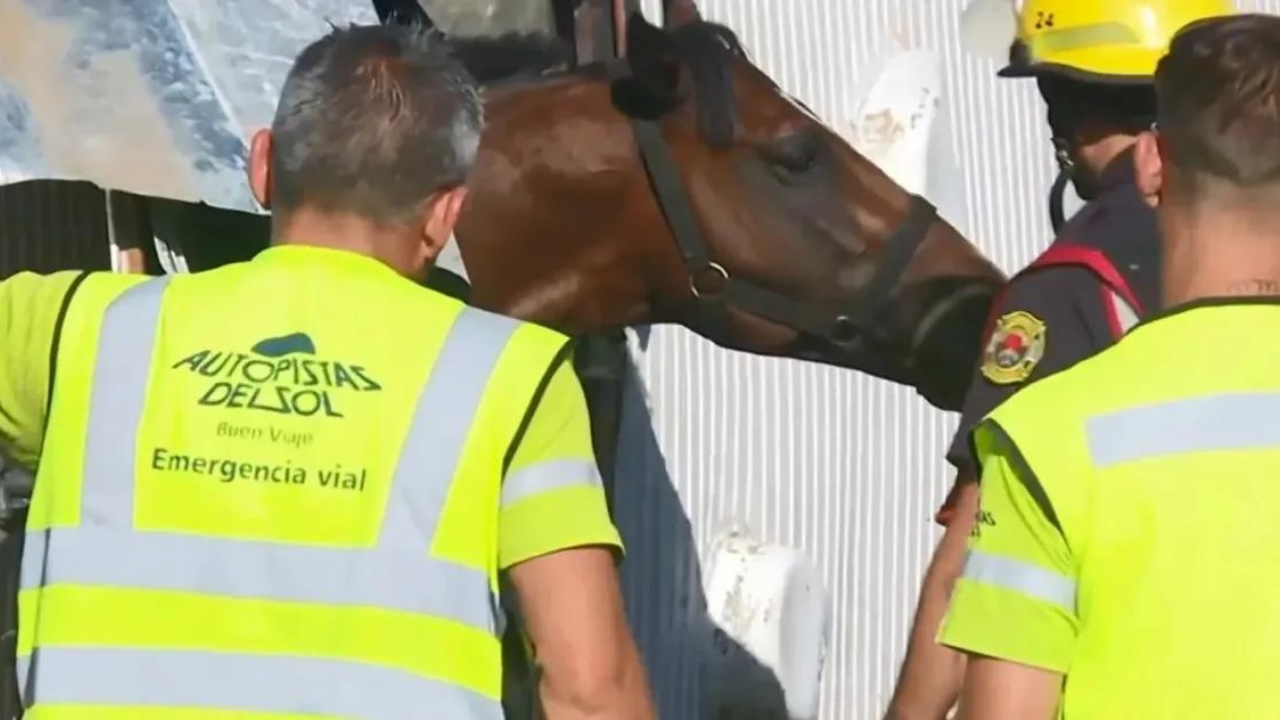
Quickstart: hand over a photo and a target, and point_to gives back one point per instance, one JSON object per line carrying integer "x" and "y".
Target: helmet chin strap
{"x": 1057, "y": 201}
{"x": 1084, "y": 179}
{"x": 1057, "y": 193}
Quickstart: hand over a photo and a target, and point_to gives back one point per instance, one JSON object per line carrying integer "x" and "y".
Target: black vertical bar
{"x": 601, "y": 358}
{"x": 566, "y": 27}
{"x": 602, "y": 33}
{"x": 11, "y": 557}
{"x": 52, "y": 225}
{"x": 622, "y": 9}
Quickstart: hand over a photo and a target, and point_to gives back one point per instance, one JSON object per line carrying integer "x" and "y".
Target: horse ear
{"x": 403, "y": 12}
{"x": 653, "y": 87}
{"x": 679, "y": 12}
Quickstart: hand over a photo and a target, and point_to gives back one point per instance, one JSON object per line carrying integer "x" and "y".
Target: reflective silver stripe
{"x": 123, "y": 362}
{"x": 288, "y": 684}
{"x": 121, "y": 373}
{"x": 396, "y": 574}
{"x": 441, "y": 423}
{"x": 31, "y": 572}
{"x": 1021, "y": 577}
{"x": 545, "y": 476}
{"x": 398, "y": 580}
{"x": 437, "y": 437}
{"x": 1241, "y": 421}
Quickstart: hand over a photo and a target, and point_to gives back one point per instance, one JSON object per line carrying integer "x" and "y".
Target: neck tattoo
{"x": 1254, "y": 287}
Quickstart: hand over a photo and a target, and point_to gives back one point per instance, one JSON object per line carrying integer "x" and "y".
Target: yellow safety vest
{"x": 1158, "y": 462}
{"x": 249, "y": 518}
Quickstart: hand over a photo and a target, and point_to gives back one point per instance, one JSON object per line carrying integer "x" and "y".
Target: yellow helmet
{"x": 1119, "y": 41}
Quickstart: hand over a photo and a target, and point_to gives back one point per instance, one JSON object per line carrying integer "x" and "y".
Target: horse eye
{"x": 796, "y": 153}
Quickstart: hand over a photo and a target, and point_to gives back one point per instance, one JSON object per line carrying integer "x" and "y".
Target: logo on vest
{"x": 982, "y": 517}
{"x": 280, "y": 375}
{"x": 1015, "y": 348}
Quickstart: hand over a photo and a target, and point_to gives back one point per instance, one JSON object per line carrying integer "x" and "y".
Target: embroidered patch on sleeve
{"x": 1016, "y": 346}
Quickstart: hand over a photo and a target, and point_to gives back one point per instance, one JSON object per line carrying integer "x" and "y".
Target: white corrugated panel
{"x": 846, "y": 468}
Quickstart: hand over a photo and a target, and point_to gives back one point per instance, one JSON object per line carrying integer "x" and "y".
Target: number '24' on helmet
{"x": 1111, "y": 41}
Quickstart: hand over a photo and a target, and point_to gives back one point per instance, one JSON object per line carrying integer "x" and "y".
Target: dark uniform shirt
{"x": 1063, "y": 306}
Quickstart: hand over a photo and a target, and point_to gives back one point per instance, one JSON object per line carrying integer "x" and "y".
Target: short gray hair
{"x": 372, "y": 121}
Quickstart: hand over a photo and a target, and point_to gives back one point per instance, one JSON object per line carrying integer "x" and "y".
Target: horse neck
{"x": 550, "y": 233}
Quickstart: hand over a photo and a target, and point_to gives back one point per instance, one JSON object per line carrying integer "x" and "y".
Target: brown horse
{"x": 682, "y": 186}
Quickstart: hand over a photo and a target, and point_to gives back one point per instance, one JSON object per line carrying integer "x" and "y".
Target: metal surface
{"x": 154, "y": 97}
{"x": 844, "y": 467}
{"x": 46, "y": 226}
{"x": 490, "y": 17}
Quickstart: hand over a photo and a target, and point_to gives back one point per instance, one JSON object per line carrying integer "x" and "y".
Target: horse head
{"x": 684, "y": 186}
{"x": 833, "y": 261}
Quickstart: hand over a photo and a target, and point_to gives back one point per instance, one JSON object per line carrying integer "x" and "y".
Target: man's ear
{"x": 441, "y": 217}
{"x": 1148, "y": 167}
{"x": 260, "y": 167}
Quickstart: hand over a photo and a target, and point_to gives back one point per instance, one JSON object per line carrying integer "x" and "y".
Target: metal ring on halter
{"x": 714, "y": 267}
{"x": 844, "y": 330}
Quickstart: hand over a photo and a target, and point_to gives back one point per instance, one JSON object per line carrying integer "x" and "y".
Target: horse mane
{"x": 708, "y": 50}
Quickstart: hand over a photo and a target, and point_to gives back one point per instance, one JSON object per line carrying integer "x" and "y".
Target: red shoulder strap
{"x": 1065, "y": 253}
{"x": 1062, "y": 253}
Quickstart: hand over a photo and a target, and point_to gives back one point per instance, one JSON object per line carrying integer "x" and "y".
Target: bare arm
{"x": 1019, "y": 638}
{"x": 1000, "y": 690}
{"x": 1067, "y": 304}
{"x": 573, "y": 610}
{"x": 932, "y": 674}
{"x": 558, "y": 547}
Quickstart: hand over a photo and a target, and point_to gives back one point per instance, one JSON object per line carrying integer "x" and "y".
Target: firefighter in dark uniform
{"x": 1093, "y": 61}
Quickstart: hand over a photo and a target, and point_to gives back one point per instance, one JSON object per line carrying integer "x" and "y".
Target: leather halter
{"x": 730, "y": 292}
{"x": 727, "y": 292}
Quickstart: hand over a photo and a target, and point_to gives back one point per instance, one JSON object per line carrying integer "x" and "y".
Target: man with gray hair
{"x": 257, "y": 492}
{"x": 375, "y": 122}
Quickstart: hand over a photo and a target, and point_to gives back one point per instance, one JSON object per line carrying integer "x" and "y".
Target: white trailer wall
{"x": 845, "y": 467}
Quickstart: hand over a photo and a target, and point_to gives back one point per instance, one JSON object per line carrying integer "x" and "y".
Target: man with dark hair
{"x": 290, "y": 486}
{"x": 1128, "y": 572}
{"x": 1092, "y": 61}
